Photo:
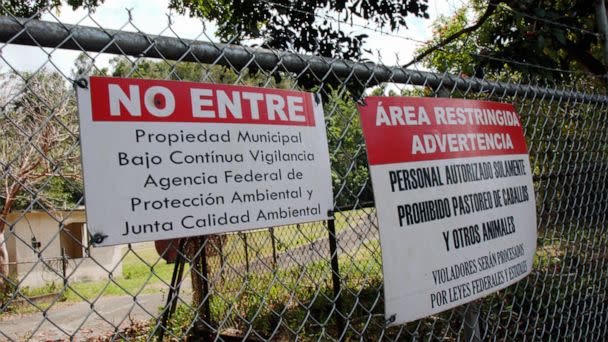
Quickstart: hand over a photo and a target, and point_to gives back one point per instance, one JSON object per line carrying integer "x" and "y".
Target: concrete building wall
{"x": 38, "y": 266}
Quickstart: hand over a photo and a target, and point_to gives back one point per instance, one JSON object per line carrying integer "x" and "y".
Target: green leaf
{"x": 559, "y": 35}
{"x": 540, "y": 12}
{"x": 541, "y": 42}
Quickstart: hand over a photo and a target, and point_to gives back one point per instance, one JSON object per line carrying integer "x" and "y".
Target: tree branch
{"x": 8, "y": 205}
{"x": 587, "y": 60}
{"x": 484, "y": 17}
{"x": 602, "y": 23}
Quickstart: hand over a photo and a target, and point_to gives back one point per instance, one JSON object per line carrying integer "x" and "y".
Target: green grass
{"x": 259, "y": 242}
{"x": 141, "y": 270}
{"x": 40, "y": 291}
{"x": 144, "y": 272}
{"x": 295, "y": 297}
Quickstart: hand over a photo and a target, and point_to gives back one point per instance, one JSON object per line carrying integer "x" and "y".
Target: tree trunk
{"x": 3, "y": 263}
{"x": 4, "y": 269}
{"x": 192, "y": 247}
{"x": 11, "y": 193}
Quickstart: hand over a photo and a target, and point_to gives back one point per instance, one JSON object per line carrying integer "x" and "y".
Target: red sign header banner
{"x": 406, "y": 129}
{"x": 139, "y": 100}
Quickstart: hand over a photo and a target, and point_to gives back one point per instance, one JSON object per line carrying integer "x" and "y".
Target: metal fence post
{"x": 204, "y": 310}
{"x": 222, "y": 257}
{"x": 335, "y": 273}
{"x": 205, "y": 272}
{"x": 244, "y": 237}
{"x": 471, "y": 321}
{"x": 274, "y": 247}
{"x": 64, "y": 266}
{"x": 173, "y": 295}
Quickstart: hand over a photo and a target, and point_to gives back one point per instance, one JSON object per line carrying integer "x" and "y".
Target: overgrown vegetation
{"x": 297, "y": 302}
{"x": 143, "y": 271}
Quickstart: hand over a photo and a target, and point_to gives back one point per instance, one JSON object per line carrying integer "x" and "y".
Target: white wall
{"x": 27, "y": 265}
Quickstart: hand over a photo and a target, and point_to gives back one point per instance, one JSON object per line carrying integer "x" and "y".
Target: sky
{"x": 150, "y": 16}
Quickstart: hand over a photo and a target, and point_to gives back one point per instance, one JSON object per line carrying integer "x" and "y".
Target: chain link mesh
{"x": 280, "y": 283}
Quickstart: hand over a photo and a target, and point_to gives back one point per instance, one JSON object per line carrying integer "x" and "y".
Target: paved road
{"x": 108, "y": 314}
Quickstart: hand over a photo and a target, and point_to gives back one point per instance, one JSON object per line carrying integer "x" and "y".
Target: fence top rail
{"x": 85, "y": 38}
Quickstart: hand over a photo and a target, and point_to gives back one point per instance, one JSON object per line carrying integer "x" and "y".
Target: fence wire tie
{"x": 82, "y": 83}
{"x": 361, "y": 101}
{"x": 98, "y": 238}
{"x": 317, "y": 98}
{"x": 391, "y": 319}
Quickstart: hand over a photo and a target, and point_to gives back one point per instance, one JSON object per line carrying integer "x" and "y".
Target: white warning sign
{"x": 167, "y": 159}
{"x": 454, "y": 197}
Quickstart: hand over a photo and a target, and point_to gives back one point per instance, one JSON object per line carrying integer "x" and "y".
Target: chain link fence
{"x": 315, "y": 281}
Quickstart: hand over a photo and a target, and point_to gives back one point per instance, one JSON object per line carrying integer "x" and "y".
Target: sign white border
{"x": 108, "y": 186}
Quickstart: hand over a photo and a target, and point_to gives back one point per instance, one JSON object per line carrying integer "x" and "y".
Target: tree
{"x": 39, "y": 155}
{"x": 85, "y": 66}
{"x": 554, "y": 129}
{"x": 281, "y": 24}
{"x": 542, "y": 37}
{"x": 34, "y": 8}
{"x": 349, "y": 171}
{"x": 298, "y": 25}
{"x": 456, "y": 56}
